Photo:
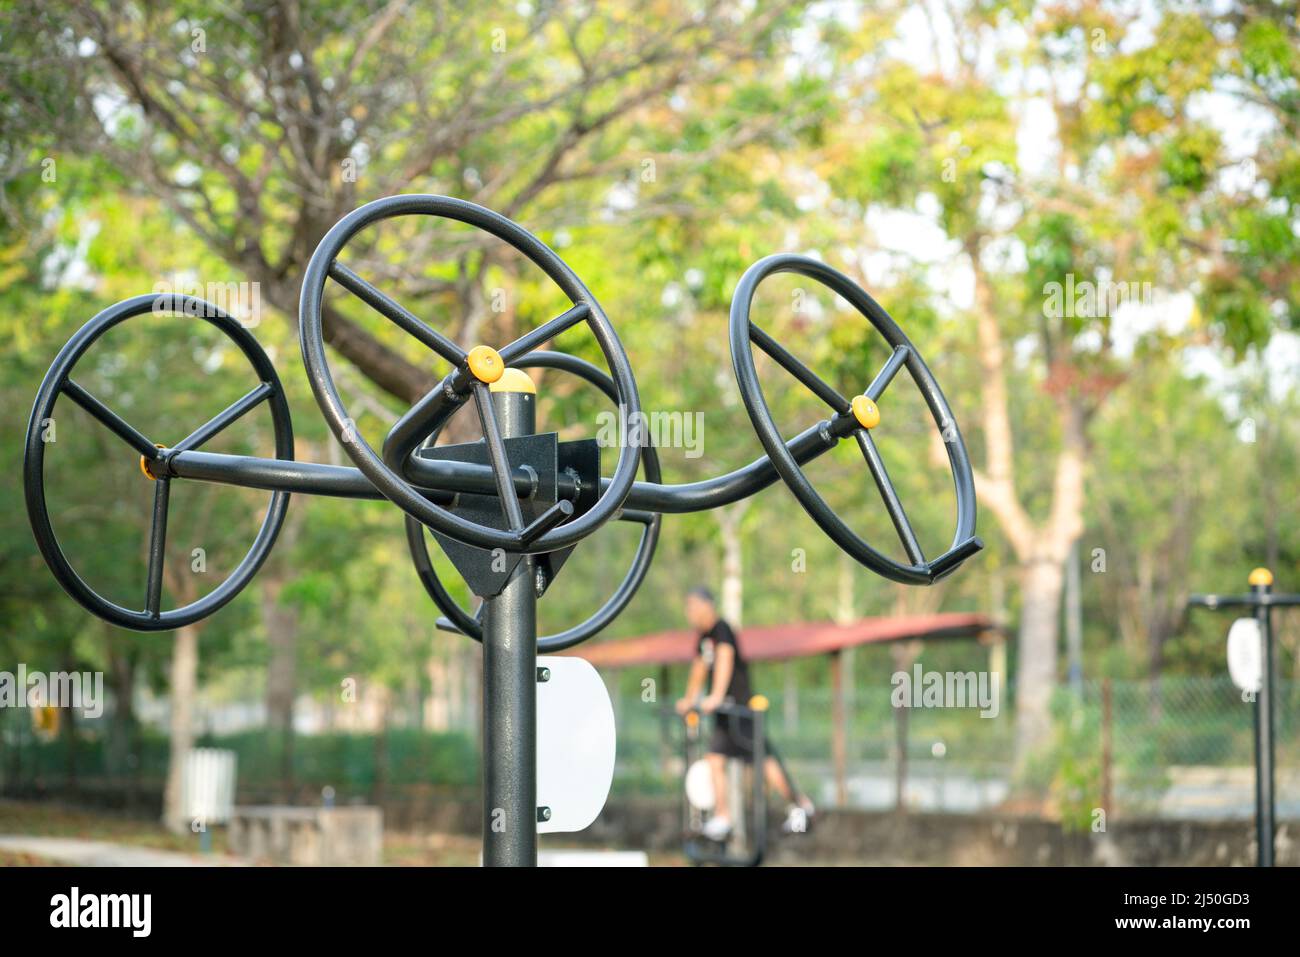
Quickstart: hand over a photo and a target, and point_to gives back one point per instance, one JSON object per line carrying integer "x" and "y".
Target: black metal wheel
{"x": 853, "y": 418}
{"x": 458, "y": 619}
{"x": 154, "y": 462}
{"x": 473, "y": 373}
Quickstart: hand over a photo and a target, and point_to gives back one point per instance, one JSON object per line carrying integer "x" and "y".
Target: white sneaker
{"x": 716, "y": 828}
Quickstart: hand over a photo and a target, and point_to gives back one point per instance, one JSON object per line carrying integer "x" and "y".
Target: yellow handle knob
{"x": 865, "y": 411}
{"x": 485, "y": 362}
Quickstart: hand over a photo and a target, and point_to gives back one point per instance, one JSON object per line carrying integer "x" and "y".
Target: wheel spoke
{"x": 496, "y": 448}
{"x": 119, "y": 426}
{"x": 561, "y": 511}
{"x": 396, "y": 313}
{"x": 545, "y": 332}
{"x": 157, "y": 546}
{"x": 895, "y": 508}
{"x": 886, "y": 375}
{"x": 797, "y": 369}
{"x": 446, "y": 624}
{"x": 224, "y": 418}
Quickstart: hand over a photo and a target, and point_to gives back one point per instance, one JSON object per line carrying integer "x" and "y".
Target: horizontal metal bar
{"x": 429, "y": 473}
{"x": 725, "y": 489}
{"x": 1243, "y": 601}
{"x": 274, "y": 475}
{"x": 438, "y": 479}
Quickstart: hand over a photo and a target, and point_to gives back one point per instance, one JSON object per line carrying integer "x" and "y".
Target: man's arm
{"x": 724, "y": 663}
{"x": 694, "y": 685}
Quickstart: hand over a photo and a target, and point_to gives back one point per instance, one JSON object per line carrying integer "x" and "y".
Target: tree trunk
{"x": 1041, "y": 548}
{"x": 436, "y": 712}
{"x": 1042, "y": 582}
{"x": 733, "y": 567}
{"x": 184, "y": 683}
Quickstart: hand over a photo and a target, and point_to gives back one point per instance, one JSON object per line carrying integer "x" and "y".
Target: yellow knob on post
{"x": 759, "y": 703}
{"x": 485, "y": 362}
{"x": 865, "y": 411}
{"x": 1261, "y": 577}
{"x": 692, "y": 719}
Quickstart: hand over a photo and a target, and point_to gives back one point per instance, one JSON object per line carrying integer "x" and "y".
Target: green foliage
{"x": 659, "y": 173}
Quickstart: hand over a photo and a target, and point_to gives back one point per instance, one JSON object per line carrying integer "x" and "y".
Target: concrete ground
{"x": 83, "y": 853}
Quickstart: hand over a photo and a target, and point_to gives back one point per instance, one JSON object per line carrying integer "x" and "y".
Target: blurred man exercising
{"x": 719, "y": 664}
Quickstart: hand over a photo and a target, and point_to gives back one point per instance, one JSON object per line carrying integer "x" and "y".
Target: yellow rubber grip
{"x": 485, "y": 362}
{"x": 865, "y": 411}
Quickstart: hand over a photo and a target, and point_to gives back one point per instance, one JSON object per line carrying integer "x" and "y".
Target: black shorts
{"x": 733, "y": 736}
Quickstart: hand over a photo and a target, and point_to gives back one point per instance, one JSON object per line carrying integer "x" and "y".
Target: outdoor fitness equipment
{"x": 1254, "y": 675}
{"x": 458, "y": 621}
{"x": 747, "y": 843}
{"x": 508, "y": 509}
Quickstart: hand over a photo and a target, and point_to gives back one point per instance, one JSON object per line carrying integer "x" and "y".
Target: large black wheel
{"x": 153, "y": 462}
{"x": 474, "y": 371}
{"x": 856, "y": 418}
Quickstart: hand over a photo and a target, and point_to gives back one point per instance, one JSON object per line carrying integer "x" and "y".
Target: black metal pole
{"x": 1261, "y": 584}
{"x": 510, "y": 683}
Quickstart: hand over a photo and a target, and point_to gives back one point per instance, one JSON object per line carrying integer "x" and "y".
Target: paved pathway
{"x": 81, "y": 853}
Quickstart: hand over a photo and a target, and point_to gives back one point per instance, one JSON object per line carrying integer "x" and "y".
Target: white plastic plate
{"x": 575, "y": 744}
{"x": 1246, "y": 654}
{"x": 699, "y": 785}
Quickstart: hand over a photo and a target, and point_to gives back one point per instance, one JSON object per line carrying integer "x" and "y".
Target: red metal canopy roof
{"x": 775, "y": 642}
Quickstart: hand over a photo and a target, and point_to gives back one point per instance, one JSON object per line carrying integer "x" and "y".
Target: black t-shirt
{"x": 721, "y": 634}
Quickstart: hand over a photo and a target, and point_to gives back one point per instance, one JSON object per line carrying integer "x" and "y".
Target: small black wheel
{"x": 473, "y": 373}
{"x": 461, "y": 621}
{"x": 153, "y": 462}
{"x": 856, "y": 418}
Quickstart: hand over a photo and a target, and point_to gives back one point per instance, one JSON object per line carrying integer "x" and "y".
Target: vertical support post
{"x": 510, "y": 687}
{"x": 665, "y": 727}
{"x": 1261, "y": 585}
{"x": 759, "y": 706}
{"x": 839, "y": 747}
{"x": 736, "y": 800}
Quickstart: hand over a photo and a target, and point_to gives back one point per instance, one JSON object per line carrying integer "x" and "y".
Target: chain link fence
{"x": 1177, "y": 748}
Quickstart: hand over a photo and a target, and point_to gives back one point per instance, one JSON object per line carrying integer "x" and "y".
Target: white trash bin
{"x": 208, "y": 786}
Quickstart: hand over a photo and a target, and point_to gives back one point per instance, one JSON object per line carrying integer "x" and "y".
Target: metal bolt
{"x": 543, "y": 674}
{"x": 543, "y": 814}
